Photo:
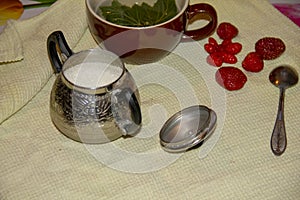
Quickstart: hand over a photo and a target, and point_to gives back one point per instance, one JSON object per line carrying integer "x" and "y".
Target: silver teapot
{"x": 94, "y": 98}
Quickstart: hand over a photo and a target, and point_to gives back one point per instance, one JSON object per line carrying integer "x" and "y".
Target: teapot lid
{"x": 187, "y": 128}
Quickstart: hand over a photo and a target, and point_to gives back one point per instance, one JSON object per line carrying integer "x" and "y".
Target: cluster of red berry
{"x": 226, "y": 51}
{"x": 267, "y": 48}
{"x": 230, "y": 77}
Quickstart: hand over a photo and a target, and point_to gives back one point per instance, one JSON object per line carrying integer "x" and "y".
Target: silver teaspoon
{"x": 282, "y": 77}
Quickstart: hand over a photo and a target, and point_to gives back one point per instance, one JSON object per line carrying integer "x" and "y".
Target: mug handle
{"x": 58, "y": 50}
{"x": 202, "y": 11}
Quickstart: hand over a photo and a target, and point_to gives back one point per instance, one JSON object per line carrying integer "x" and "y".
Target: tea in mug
{"x": 139, "y": 15}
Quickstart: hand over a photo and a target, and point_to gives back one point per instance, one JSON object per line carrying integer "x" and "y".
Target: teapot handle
{"x": 58, "y": 50}
{"x": 127, "y": 111}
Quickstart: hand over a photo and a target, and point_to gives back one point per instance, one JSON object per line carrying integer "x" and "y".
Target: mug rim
{"x": 89, "y": 7}
{"x": 92, "y": 90}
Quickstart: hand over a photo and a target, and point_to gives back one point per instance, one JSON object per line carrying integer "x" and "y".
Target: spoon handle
{"x": 278, "y": 139}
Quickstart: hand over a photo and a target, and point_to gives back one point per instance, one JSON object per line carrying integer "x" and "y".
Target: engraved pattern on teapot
{"x": 80, "y": 108}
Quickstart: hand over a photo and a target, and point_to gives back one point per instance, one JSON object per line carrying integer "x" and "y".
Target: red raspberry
{"x": 269, "y": 48}
{"x": 212, "y": 41}
{"x": 226, "y": 42}
{"x": 222, "y": 53}
{"x": 230, "y": 78}
{"x": 209, "y": 48}
{"x": 229, "y": 58}
{"x": 233, "y": 48}
{"x": 215, "y": 59}
{"x": 220, "y": 48}
{"x": 226, "y": 30}
{"x": 253, "y": 62}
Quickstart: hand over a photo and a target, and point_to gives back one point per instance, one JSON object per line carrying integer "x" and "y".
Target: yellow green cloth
{"x": 38, "y": 162}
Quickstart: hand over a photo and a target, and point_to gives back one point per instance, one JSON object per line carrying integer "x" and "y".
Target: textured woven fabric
{"x": 25, "y": 43}
{"x": 38, "y": 162}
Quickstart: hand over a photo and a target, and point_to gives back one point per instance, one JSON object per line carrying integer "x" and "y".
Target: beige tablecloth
{"x": 38, "y": 162}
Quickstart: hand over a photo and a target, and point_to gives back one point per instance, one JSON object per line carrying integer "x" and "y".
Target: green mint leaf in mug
{"x": 139, "y": 15}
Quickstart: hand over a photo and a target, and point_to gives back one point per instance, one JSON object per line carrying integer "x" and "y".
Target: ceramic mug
{"x": 94, "y": 98}
{"x": 150, "y": 43}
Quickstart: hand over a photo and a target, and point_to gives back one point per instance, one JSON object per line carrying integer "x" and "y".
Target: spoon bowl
{"x": 282, "y": 77}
